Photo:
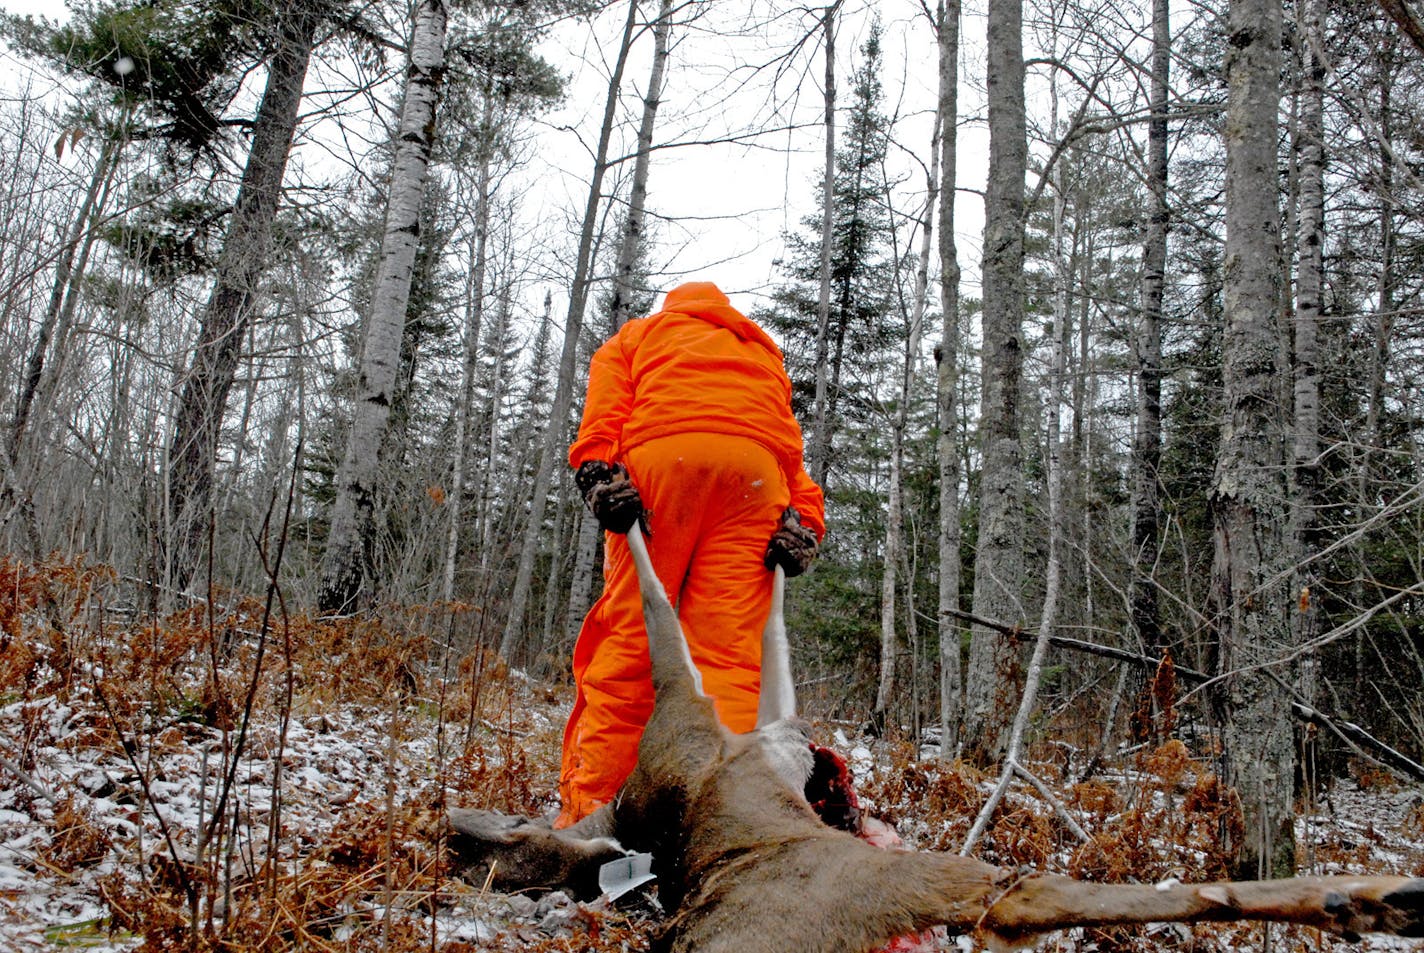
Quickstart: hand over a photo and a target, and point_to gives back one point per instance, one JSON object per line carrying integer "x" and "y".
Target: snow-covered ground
{"x": 91, "y": 817}
{"x": 331, "y": 820}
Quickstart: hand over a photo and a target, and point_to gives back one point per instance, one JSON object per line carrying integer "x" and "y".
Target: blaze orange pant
{"x": 715, "y": 500}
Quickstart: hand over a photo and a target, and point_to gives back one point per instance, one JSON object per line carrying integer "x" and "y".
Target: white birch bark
{"x": 947, "y": 391}
{"x": 342, "y": 568}
{"x": 1310, "y": 281}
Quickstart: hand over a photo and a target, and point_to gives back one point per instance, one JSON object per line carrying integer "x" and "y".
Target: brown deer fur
{"x": 745, "y": 865}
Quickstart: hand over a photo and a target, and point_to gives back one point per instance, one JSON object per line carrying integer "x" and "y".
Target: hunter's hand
{"x": 792, "y": 546}
{"x": 610, "y": 495}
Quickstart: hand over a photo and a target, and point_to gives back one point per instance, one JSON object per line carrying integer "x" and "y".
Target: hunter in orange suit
{"x": 688, "y": 422}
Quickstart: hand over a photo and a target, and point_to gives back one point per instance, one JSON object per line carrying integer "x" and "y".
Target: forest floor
{"x": 248, "y": 782}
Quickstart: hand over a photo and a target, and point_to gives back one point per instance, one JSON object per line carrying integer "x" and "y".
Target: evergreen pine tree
{"x": 836, "y": 605}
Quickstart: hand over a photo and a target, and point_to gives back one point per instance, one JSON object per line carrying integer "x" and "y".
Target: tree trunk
{"x": 638, "y": 194}
{"x": 947, "y": 358}
{"x": 197, "y": 422}
{"x": 586, "y": 539}
{"x": 1248, "y": 489}
{"x": 998, "y": 571}
{"x": 581, "y": 584}
{"x": 1305, "y": 358}
{"x": 1014, "y": 743}
{"x": 1147, "y": 442}
{"x": 820, "y": 450}
{"x": 343, "y": 566}
{"x": 474, "y": 319}
{"x": 557, "y": 431}
{"x": 77, "y": 246}
{"x": 490, "y": 488}
{"x": 1381, "y": 329}
{"x": 893, "y": 514}
{"x": 553, "y": 590}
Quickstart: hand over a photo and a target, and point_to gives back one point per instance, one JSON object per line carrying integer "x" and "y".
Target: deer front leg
{"x": 1348, "y": 906}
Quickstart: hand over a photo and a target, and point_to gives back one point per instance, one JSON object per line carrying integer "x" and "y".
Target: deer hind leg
{"x": 667, "y": 645}
{"x": 1348, "y": 906}
{"x": 777, "y": 701}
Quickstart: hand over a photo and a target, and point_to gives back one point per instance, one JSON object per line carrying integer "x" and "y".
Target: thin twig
{"x": 190, "y": 889}
{"x": 34, "y": 785}
{"x": 1068, "y": 820}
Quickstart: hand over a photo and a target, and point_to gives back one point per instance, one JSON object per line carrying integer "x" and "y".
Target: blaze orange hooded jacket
{"x": 696, "y": 403}
{"x": 697, "y": 366}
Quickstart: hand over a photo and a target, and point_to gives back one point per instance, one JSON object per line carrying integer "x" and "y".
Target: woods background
{"x": 303, "y": 293}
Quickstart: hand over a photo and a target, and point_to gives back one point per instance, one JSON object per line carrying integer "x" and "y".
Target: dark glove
{"x": 792, "y": 546}
{"x": 610, "y": 495}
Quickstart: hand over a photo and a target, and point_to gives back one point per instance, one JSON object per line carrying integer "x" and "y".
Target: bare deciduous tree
{"x": 1147, "y": 441}
{"x": 947, "y": 383}
{"x": 246, "y": 248}
{"x": 1248, "y": 488}
{"x": 999, "y": 560}
{"x": 555, "y": 434}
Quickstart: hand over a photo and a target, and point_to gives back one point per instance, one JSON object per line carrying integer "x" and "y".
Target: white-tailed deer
{"x": 745, "y": 865}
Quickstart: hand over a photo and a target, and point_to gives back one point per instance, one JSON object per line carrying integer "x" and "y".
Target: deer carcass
{"x": 745, "y": 865}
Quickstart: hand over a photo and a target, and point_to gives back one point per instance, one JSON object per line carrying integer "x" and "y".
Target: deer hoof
{"x": 1407, "y": 903}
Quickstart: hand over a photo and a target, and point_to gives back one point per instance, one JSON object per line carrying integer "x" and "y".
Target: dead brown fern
{"x": 75, "y": 839}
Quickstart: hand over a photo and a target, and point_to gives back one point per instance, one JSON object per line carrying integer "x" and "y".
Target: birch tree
{"x": 342, "y": 568}
{"x": 1305, "y": 353}
{"x": 947, "y": 384}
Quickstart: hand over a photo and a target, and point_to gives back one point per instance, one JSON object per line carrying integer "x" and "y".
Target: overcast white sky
{"x": 738, "y": 201}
